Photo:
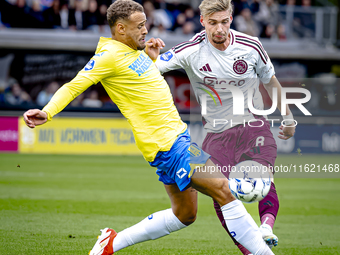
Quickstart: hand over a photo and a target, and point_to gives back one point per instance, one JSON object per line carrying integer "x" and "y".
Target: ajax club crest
{"x": 240, "y": 66}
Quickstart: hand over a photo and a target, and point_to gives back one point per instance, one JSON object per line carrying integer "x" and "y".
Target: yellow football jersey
{"x": 135, "y": 85}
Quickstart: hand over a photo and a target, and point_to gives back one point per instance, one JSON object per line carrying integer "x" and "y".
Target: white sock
{"x": 152, "y": 227}
{"x": 244, "y": 229}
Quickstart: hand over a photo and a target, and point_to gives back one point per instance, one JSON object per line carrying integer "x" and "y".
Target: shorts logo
{"x": 167, "y": 56}
{"x": 240, "y": 66}
{"x": 150, "y": 217}
{"x": 194, "y": 151}
{"x": 90, "y": 65}
{"x": 232, "y": 233}
{"x": 181, "y": 173}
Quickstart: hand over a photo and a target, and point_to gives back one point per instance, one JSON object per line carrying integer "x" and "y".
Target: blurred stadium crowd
{"x": 165, "y": 17}
{"x": 14, "y": 96}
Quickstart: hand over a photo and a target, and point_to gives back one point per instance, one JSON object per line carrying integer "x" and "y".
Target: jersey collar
{"x": 230, "y": 47}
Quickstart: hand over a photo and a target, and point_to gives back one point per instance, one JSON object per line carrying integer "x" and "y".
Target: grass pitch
{"x": 56, "y": 204}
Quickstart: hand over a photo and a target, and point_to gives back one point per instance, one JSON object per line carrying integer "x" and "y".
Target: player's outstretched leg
{"x": 268, "y": 209}
{"x": 220, "y": 217}
{"x": 152, "y": 227}
{"x": 241, "y": 225}
{"x": 156, "y": 225}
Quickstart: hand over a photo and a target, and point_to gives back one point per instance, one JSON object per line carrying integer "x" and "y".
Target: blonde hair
{"x": 208, "y": 7}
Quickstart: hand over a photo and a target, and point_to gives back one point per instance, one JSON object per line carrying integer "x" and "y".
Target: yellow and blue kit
{"x": 135, "y": 85}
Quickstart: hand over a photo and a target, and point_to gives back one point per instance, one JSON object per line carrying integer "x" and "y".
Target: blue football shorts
{"x": 179, "y": 163}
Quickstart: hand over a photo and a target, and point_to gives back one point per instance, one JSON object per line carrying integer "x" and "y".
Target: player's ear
{"x": 202, "y": 21}
{"x": 120, "y": 28}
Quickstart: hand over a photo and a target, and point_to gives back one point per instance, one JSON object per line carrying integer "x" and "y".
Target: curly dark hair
{"x": 122, "y": 10}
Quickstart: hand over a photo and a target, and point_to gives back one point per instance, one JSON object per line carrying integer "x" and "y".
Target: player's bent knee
{"x": 189, "y": 219}
{"x": 186, "y": 216}
{"x": 225, "y": 187}
{"x": 224, "y": 194}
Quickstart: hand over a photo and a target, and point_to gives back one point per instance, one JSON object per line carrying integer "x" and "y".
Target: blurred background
{"x": 44, "y": 43}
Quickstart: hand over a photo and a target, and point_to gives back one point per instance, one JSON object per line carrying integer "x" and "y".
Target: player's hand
{"x": 153, "y": 47}
{"x": 35, "y": 117}
{"x": 287, "y": 131}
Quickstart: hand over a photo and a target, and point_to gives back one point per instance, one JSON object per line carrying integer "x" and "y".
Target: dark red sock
{"x": 269, "y": 206}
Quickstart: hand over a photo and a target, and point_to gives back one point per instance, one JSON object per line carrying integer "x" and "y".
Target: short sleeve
{"x": 169, "y": 61}
{"x": 264, "y": 69}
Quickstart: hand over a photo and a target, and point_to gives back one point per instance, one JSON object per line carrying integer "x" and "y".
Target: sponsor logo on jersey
{"x": 216, "y": 82}
{"x": 206, "y": 68}
{"x": 167, "y": 56}
{"x": 90, "y": 65}
{"x": 209, "y": 93}
{"x": 181, "y": 173}
{"x": 141, "y": 64}
{"x": 240, "y": 66}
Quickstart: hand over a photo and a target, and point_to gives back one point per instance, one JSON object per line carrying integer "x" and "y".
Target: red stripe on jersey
{"x": 204, "y": 68}
{"x": 255, "y": 49}
{"x": 259, "y": 44}
{"x": 209, "y": 69}
{"x": 181, "y": 44}
{"x": 199, "y": 38}
{"x": 200, "y": 35}
{"x": 190, "y": 45}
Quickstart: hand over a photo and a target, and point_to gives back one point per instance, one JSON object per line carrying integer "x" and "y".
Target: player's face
{"x": 217, "y": 26}
{"x": 136, "y": 31}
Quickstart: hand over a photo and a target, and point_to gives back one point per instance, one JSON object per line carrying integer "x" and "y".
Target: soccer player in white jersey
{"x": 218, "y": 61}
{"x": 133, "y": 82}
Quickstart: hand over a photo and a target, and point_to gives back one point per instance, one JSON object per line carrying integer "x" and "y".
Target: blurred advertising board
{"x": 9, "y": 134}
{"x": 114, "y": 137}
{"x": 310, "y": 139}
{"x": 79, "y": 136}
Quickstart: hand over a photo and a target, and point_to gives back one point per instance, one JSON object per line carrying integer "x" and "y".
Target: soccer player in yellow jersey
{"x": 133, "y": 82}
